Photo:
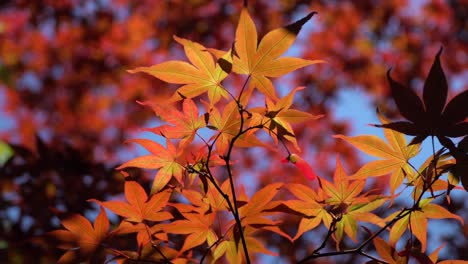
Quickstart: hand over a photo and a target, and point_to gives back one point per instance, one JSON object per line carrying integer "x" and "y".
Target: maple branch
{"x": 227, "y": 158}
{"x": 208, "y": 249}
{"x": 281, "y": 139}
{"x": 404, "y": 212}
{"x": 358, "y": 250}
{"x": 434, "y": 164}
{"x": 116, "y": 252}
{"x": 240, "y": 94}
{"x": 208, "y": 174}
{"x": 327, "y": 237}
{"x": 372, "y": 257}
{"x": 155, "y": 247}
{"x": 202, "y": 139}
{"x": 232, "y": 205}
{"x": 236, "y": 212}
{"x": 428, "y": 186}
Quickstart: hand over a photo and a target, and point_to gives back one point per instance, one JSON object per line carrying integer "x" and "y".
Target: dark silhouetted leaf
{"x": 297, "y": 26}
{"x": 403, "y": 127}
{"x": 225, "y": 65}
{"x": 407, "y": 101}
{"x": 427, "y": 120}
{"x": 435, "y": 88}
{"x": 457, "y": 109}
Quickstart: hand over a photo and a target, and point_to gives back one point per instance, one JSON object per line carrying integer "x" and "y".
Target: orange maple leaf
{"x": 260, "y": 60}
{"x": 394, "y": 156}
{"x": 231, "y": 247}
{"x": 203, "y": 75}
{"x": 340, "y": 201}
{"x": 417, "y": 221}
{"x": 228, "y": 124}
{"x": 277, "y": 118}
{"x": 164, "y": 159}
{"x": 196, "y": 226}
{"x": 183, "y": 124}
{"x": 81, "y": 239}
{"x": 138, "y": 207}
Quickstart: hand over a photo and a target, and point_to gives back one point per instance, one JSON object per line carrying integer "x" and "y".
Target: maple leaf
{"x": 81, "y": 239}
{"x": 428, "y": 175}
{"x": 314, "y": 212}
{"x": 164, "y": 159}
{"x": 256, "y": 210}
{"x": 228, "y": 124}
{"x": 415, "y": 252}
{"x": 460, "y": 169}
{"x": 417, "y": 221}
{"x": 203, "y": 75}
{"x": 232, "y": 247}
{"x": 388, "y": 253}
{"x": 197, "y": 227}
{"x": 200, "y": 214}
{"x": 145, "y": 234}
{"x": 196, "y": 160}
{"x": 260, "y": 60}
{"x": 277, "y": 117}
{"x": 433, "y": 117}
{"x": 138, "y": 207}
{"x": 147, "y": 254}
{"x": 395, "y": 155}
{"x": 341, "y": 202}
{"x": 348, "y": 204}
{"x": 184, "y": 124}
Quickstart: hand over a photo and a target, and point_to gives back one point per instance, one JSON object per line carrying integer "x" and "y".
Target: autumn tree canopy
{"x": 217, "y": 94}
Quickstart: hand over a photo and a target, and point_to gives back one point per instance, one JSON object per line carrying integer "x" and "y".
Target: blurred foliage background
{"x": 67, "y": 103}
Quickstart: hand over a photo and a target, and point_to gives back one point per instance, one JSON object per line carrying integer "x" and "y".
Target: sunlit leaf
{"x": 395, "y": 155}
{"x": 164, "y": 159}
{"x": 261, "y": 61}
{"x": 203, "y": 75}
{"x": 81, "y": 238}
{"x": 277, "y": 118}
{"x": 138, "y": 207}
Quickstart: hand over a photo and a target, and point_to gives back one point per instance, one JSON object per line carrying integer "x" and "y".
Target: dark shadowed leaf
{"x": 403, "y": 127}
{"x": 407, "y": 101}
{"x": 417, "y": 139}
{"x": 435, "y": 88}
{"x": 458, "y": 130}
{"x": 296, "y": 26}
{"x": 457, "y": 109}
{"x": 427, "y": 120}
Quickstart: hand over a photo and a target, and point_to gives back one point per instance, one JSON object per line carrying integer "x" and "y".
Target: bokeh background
{"x": 67, "y": 103}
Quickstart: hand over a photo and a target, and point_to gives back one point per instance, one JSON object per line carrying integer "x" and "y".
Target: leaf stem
{"x": 232, "y": 205}
{"x": 359, "y": 249}
{"x": 227, "y": 159}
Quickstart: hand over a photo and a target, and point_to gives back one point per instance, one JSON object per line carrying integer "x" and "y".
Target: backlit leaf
{"x": 277, "y": 117}
{"x": 183, "y": 124}
{"x": 203, "y": 76}
{"x": 262, "y": 61}
{"x": 164, "y": 159}
{"x": 395, "y": 155}
{"x": 138, "y": 208}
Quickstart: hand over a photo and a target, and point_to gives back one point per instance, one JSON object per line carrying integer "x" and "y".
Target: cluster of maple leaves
{"x": 196, "y": 196}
